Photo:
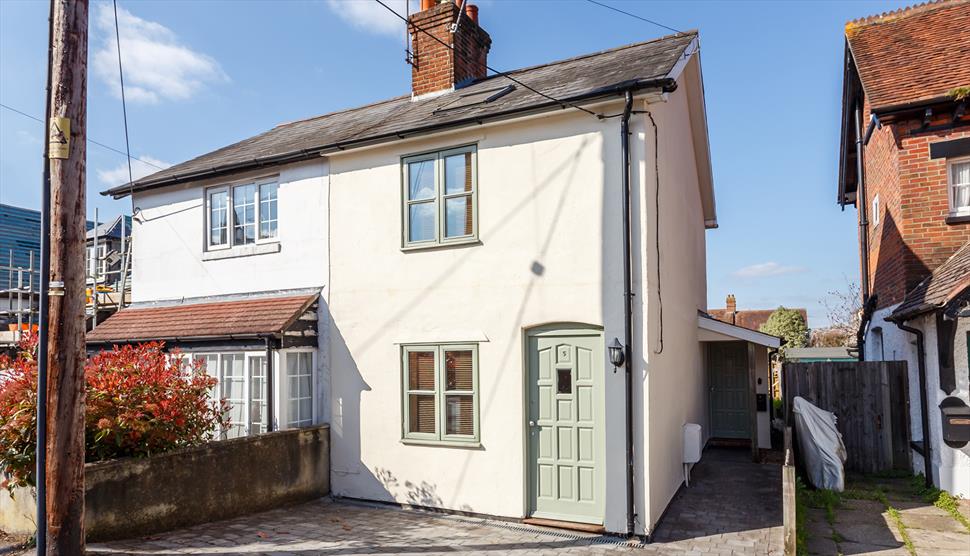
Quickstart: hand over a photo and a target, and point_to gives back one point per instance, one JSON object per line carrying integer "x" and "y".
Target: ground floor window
{"x": 440, "y": 394}
{"x": 244, "y": 380}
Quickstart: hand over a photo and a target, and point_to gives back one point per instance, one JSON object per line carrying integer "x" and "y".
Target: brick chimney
{"x": 731, "y": 304}
{"x": 436, "y": 68}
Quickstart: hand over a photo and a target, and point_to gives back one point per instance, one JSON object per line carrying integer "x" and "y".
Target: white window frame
{"x": 217, "y": 393}
{"x": 230, "y": 213}
{"x": 440, "y": 437}
{"x": 950, "y": 187}
{"x": 875, "y": 211}
{"x": 284, "y": 388}
{"x": 439, "y": 198}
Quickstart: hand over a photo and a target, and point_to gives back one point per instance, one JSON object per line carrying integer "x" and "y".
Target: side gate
{"x": 870, "y": 400}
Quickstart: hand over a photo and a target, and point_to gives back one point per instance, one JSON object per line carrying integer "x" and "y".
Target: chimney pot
{"x": 427, "y": 4}
{"x": 731, "y": 304}
{"x": 471, "y": 10}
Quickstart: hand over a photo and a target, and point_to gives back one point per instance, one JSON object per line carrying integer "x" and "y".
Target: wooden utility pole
{"x": 66, "y": 354}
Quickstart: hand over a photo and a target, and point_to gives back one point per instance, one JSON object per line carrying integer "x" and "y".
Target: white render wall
{"x": 169, "y": 236}
{"x": 951, "y": 467}
{"x": 549, "y": 224}
{"x": 672, "y": 379}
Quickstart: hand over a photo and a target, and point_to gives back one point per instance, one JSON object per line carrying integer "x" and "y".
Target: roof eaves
{"x": 663, "y": 83}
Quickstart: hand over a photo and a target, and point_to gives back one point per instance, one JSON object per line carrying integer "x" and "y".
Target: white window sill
{"x": 242, "y": 251}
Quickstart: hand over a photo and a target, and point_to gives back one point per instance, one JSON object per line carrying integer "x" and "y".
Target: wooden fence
{"x": 870, "y": 400}
{"x": 789, "y": 495}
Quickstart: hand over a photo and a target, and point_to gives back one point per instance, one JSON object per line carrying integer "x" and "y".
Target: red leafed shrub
{"x": 139, "y": 401}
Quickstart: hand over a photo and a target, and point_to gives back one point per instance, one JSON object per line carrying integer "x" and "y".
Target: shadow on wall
{"x": 381, "y": 484}
{"x": 897, "y": 269}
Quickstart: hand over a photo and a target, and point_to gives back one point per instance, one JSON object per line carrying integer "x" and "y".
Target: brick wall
{"x": 436, "y": 67}
{"x": 912, "y": 237}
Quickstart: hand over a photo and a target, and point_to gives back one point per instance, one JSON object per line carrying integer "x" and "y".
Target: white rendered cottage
{"x": 440, "y": 275}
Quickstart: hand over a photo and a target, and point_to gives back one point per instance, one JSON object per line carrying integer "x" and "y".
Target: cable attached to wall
{"x": 656, "y": 168}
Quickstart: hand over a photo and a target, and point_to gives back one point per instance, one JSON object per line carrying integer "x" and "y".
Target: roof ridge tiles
{"x": 893, "y": 15}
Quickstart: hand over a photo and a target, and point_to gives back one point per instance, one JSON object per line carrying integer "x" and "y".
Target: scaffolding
{"x": 107, "y": 285}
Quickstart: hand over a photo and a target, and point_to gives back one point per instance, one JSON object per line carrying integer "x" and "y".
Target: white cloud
{"x": 762, "y": 270}
{"x": 157, "y": 66}
{"x": 371, "y": 16}
{"x": 119, "y": 174}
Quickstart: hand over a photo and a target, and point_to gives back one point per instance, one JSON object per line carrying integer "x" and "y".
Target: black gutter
{"x": 628, "y": 310}
{"x": 923, "y": 411}
{"x": 665, "y": 84}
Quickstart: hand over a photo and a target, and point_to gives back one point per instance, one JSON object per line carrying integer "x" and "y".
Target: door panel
{"x": 566, "y": 442}
{"x": 728, "y": 379}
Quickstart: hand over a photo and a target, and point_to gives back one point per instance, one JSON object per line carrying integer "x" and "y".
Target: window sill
{"x": 471, "y": 444}
{"x": 957, "y": 219}
{"x": 242, "y": 251}
{"x": 433, "y": 246}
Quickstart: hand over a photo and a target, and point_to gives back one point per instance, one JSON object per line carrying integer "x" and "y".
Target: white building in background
{"x": 441, "y": 276}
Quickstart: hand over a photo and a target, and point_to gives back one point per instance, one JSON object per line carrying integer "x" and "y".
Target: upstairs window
{"x": 440, "y": 198}
{"x": 959, "y": 174}
{"x": 241, "y": 214}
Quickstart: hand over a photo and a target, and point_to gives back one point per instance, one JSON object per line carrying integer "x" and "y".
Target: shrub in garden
{"x": 138, "y": 401}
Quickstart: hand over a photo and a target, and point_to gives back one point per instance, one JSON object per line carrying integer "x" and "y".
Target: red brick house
{"x": 906, "y": 131}
{"x": 752, "y": 319}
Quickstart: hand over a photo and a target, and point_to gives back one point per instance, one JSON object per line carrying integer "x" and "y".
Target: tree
{"x": 844, "y": 310}
{"x": 789, "y": 325}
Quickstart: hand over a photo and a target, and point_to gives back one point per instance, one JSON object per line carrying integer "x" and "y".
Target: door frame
{"x": 557, "y": 328}
{"x": 750, "y": 353}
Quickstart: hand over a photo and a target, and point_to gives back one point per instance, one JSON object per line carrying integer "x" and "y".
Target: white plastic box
{"x": 693, "y": 443}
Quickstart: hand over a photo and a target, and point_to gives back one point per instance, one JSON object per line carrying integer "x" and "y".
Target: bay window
{"x": 959, "y": 184}
{"x": 440, "y": 394}
{"x": 241, "y": 214}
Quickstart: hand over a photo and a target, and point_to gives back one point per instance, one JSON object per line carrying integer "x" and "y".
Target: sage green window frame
{"x": 439, "y": 199}
{"x": 439, "y": 437}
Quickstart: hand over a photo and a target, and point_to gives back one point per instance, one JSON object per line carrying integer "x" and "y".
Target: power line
{"x": 92, "y": 141}
{"x": 491, "y": 69}
{"x": 635, "y": 16}
{"x": 124, "y": 106}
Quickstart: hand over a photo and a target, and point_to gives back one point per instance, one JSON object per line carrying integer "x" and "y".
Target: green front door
{"x": 565, "y": 427}
{"x": 727, "y": 375}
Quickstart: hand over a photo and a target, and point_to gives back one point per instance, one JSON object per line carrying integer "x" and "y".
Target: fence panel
{"x": 870, "y": 400}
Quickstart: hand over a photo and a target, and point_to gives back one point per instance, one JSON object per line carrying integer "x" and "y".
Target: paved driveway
{"x": 732, "y": 507}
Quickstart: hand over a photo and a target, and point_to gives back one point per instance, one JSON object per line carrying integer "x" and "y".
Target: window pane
{"x": 244, "y": 214}
{"x": 458, "y": 216}
{"x": 960, "y": 178}
{"x": 421, "y": 180}
{"x": 299, "y": 371}
{"x": 458, "y": 173}
{"x": 233, "y": 382}
{"x": 459, "y": 415}
{"x": 257, "y": 395}
{"x": 267, "y": 210}
{"x": 421, "y": 370}
{"x": 459, "y": 370}
{"x": 218, "y": 215}
{"x": 421, "y": 412}
{"x": 421, "y": 222}
{"x": 961, "y": 173}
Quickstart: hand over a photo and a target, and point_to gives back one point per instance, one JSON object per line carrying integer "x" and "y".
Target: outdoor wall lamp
{"x": 617, "y": 357}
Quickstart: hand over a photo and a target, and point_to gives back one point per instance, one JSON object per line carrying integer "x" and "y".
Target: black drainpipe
{"x": 270, "y": 405}
{"x": 923, "y": 411}
{"x": 861, "y": 202}
{"x": 628, "y": 310}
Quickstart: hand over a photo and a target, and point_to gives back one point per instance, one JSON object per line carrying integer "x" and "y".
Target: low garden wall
{"x": 134, "y": 497}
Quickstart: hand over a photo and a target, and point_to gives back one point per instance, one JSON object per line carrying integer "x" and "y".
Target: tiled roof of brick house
{"x": 913, "y": 54}
{"x": 944, "y": 284}
{"x": 224, "y": 319}
{"x": 752, "y": 319}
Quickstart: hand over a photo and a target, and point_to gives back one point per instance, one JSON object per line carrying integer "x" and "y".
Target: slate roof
{"x": 225, "y": 319}
{"x": 946, "y": 282}
{"x": 751, "y": 319}
{"x": 913, "y": 54}
{"x": 643, "y": 65}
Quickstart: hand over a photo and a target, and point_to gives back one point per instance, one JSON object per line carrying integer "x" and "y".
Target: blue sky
{"x": 201, "y": 75}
